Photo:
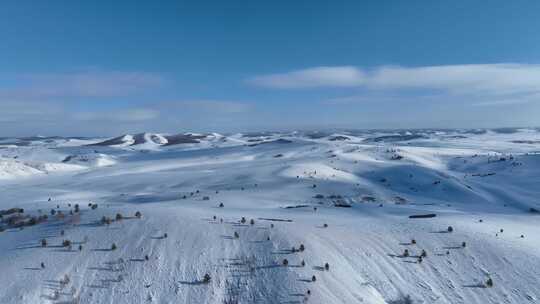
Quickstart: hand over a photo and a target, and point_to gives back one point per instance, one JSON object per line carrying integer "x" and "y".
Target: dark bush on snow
{"x": 138, "y": 214}
{"x": 285, "y": 262}
{"x": 206, "y": 278}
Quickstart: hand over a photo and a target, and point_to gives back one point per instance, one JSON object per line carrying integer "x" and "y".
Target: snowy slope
{"x": 291, "y": 185}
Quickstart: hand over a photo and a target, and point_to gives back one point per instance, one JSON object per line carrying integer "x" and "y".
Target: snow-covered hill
{"x": 344, "y": 197}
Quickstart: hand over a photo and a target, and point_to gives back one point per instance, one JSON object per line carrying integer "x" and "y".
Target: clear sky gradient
{"x": 110, "y": 67}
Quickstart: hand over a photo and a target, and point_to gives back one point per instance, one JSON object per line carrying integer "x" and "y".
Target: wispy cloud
{"x": 78, "y": 84}
{"x": 128, "y": 115}
{"x": 344, "y": 76}
{"x": 495, "y": 78}
{"x": 208, "y": 105}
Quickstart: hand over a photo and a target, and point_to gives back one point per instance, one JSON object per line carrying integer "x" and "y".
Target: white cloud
{"x": 458, "y": 79}
{"x": 345, "y": 76}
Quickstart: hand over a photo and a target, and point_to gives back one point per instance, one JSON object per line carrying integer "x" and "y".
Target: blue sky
{"x": 110, "y": 67}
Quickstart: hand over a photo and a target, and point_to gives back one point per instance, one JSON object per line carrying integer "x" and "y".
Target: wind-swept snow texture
{"x": 344, "y": 198}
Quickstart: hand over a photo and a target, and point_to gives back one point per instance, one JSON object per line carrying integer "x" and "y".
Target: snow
{"x": 477, "y": 182}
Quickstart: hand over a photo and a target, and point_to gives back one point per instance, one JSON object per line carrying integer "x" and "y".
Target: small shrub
{"x": 463, "y": 244}
{"x": 252, "y": 222}
{"x": 423, "y": 254}
{"x": 327, "y": 266}
{"x": 221, "y": 205}
{"x": 80, "y": 247}
{"x": 165, "y": 235}
{"x": 413, "y": 241}
{"x": 65, "y": 280}
{"x": 42, "y": 265}
{"x": 303, "y": 263}
{"x": 302, "y": 248}
{"x": 325, "y": 225}
{"x": 236, "y": 235}
{"x": 271, "y": 225}
{"x": 406, "y": 252}
{"x": 206, "y": 278}
{"x": 420, "y": 259}
{"x": 77, "y": 208}
{"x": 105, "y": 220}
{"x": 53, "y": 212}
{"x": 66, "y": 243}
{"x": 119, "y": 216}
{"x": 450, "y": 229}
{"x": 138, "y": 214}
{"x": 146, "y": 257}
{"x": 285, "y": 262}
{"x": 94, "y": 206}
{"x": 43, "y": 243}
{"x": 268, "y": 238}
{"x": 293, "y": 250}
{"x": 206, "y": 198}
{"x": 313, "y": 278}
{"x": 489, "y": 282}
{"x": 113, "y": 246}
{"x": 243, "y": 220}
